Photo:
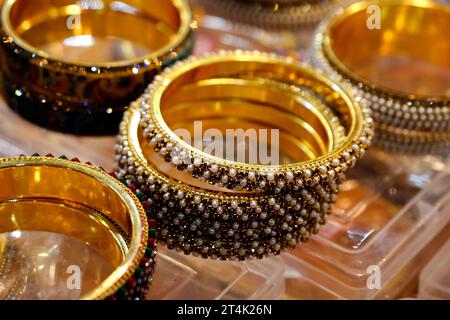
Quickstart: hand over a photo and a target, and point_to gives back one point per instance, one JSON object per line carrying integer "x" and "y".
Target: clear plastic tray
{"x": 186, "y": 277}
{"x": 389, "y": 220}
{"x": 435, "y": 278}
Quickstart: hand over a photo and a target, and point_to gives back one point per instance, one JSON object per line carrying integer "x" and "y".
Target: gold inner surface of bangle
{"x": 235, "y": 104}
{"x": 261, "y": 104}
{"x": 100, "y": 33}
{"x": 401, "y": 46}
{"x": 260, "y": 67}
{"x": 57, "y": 217}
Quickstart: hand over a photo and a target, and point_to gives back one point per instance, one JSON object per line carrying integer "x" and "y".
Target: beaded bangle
{"x": 216, "y": 224}
{"x": 84, "y": 203}
{"x": 405, "y": 109}
{"x": 356, "y": 120}
{"x": 58, "y": 83}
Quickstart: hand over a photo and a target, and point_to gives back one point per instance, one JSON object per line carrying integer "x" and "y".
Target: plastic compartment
{"x": 435, "y": 278}
{"x": 391, "y": 217}
{"x": 185, "y": 277}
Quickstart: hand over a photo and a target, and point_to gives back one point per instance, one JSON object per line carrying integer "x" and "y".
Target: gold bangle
{"x": 57, "y": 82}
{"x": 80, "y": 201}
{"x": 216, "y": 224}
{"x": 356, "y": 120}
{"x": 420, "y": 108}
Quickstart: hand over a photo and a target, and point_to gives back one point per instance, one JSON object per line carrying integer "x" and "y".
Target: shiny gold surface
{"x": 268, "y": 103}
{"x": 408, "y": 55}
{"x": 104, "y": 33}
{"x": 59, "y": 197}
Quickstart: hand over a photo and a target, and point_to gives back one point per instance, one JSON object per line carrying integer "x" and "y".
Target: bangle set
{"x": 82, "y": 68}
{"x": 80, "y": 201}
{"x": 59, "y": 81}
{"x": 232, "y": 210}
{"x": 408, "y": 94}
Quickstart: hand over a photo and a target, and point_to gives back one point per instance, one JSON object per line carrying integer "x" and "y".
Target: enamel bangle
{"x": 88, "y": 67}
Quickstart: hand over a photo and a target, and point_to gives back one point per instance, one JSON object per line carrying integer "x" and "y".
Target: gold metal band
{"x": 83, "y": 202}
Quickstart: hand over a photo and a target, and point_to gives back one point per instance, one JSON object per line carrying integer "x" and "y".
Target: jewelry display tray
{"x": 392, "y": 217}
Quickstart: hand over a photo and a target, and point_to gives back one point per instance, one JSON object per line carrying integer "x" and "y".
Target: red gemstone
{"x": 75, "y": 160}
{"x": 151, "y": 223}
{"x": 132, "y": 187}
{"x": 131, "y": 283}
{"x": 88, "y": 163}
{"x": 144, "y": 262}
{"x": 113, "y": 174}
{"x": 146, "y": 205}
{"x": 50, "y": 155}
{"x": 152, "y": 242}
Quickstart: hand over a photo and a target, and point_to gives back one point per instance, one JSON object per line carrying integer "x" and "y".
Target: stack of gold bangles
{"x": 75, "y": 66}
{"x": 394, "y": 55}
{"x": 221, "y": 208}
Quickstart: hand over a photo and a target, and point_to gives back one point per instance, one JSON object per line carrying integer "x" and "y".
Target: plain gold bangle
{"x": 81, "y": 201}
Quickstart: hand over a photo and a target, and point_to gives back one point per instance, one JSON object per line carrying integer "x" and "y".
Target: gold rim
{"x": 347, "y": 72}
{"x": 182, "y": 7}
{"x": 136, "y": 216}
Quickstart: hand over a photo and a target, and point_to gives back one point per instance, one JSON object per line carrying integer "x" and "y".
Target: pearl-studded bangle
{"x": 221, "y": 220}
{"x": 79, "y": 77}
{"x": 356, "y": 120}
{"x": 69, "y": 199}
{"x": 393, "y": 69}
{"x": 218, "y": 224}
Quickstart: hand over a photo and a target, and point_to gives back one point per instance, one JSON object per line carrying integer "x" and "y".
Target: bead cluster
{"x": 279, "y": 208}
